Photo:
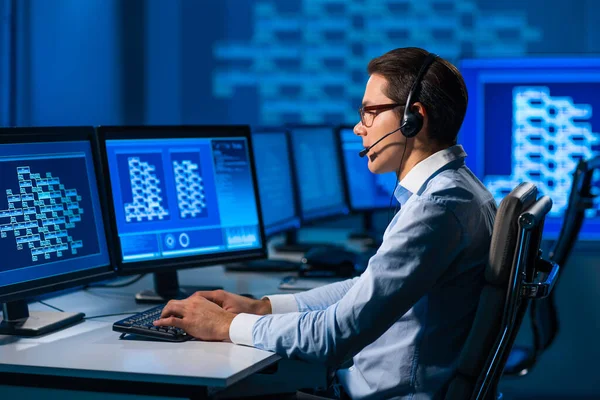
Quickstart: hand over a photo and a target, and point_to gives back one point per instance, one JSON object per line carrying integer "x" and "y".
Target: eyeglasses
{"x": 368, "y": 113}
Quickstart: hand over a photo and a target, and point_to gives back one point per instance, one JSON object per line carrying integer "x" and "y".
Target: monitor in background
{"x": 317, "y": 168}
{"x": 532, "y": 120}
{"x": 275, "y": 181}
{"x": 367, "y": 192}
{"x": 181, "y": 197}
{"x": 52, "y": 232}
{"x": 278, "y": 197}
{"x": 316, "y": 156}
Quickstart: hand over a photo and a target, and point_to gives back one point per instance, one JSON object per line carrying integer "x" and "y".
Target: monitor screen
{"x": 50, "y": 213}
{"x": 275, "y": 184}
{"x": 182, "y": 197}
{"x": 366, "y": 190}
{"x": 318, "y": 172}
{"x": 532, "y": 120}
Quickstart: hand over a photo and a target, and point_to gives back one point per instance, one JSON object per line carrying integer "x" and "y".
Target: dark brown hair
{"x": 442, "y": 90}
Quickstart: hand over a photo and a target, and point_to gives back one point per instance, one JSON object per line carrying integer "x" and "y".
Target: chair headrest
{"x": 506, "y": 230}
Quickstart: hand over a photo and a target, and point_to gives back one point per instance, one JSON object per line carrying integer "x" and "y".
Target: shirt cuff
{"x": 282, "y": 303}
{"x": 240, "y": 330}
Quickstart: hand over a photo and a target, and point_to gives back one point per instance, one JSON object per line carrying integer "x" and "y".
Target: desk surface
{"x": 92, "y": 350}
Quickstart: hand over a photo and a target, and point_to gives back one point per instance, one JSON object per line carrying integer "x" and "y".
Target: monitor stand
{"x": 291, "y": 245}
{"x": 367, "y": 236}
{"x": 18, "y": 320}
{"x": 166, "y": 287}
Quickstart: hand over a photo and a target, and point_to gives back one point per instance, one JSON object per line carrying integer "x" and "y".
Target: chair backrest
{"x": 580, "y": 199}
{"x": 503, "y": 259}
{"x": 544, "y": 316}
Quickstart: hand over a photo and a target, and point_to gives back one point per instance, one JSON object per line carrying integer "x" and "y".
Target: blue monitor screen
{"x": 50, "y": 216}
{"x": 182, "y": 197}
{"x": 532, "y": 120}
{"x": 319, "y": 177}
{"x": 277, "y": 196}
{"x": 368, "y": 191}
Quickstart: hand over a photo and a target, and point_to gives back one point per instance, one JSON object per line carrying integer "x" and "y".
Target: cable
{"x": 94, "y": 316}
{"x": 116, "y": 285}
{"x": 51, "y": 306}
{"x": 112, "y": 315}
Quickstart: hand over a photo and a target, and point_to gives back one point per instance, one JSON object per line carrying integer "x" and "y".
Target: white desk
{"x": 90, "y": 356}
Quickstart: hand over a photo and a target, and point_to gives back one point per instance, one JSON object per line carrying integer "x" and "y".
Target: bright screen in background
{"x": 318, "y": 172}
{"x": 368, "y": 191}
{"x": 50, "y": 215}
{"x": 182, "y": 197}
{"x": 532, "y": 120}
{"x": 274, "y": 172}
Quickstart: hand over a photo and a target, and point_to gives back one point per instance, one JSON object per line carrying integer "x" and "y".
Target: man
{"x": 404, "y": 321}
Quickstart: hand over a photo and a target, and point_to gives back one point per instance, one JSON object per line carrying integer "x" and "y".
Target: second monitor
{"x": 182, "y": 197}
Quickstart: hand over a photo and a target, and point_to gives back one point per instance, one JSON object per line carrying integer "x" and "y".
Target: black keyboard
{"x": 141, "y": 324}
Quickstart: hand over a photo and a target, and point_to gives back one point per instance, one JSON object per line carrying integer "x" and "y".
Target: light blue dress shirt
{"x": 404, "y": 321}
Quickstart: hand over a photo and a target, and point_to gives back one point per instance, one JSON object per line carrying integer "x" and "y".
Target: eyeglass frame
{"x": 378, "y": 108}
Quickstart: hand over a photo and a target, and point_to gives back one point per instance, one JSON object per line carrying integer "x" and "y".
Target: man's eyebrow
{"x": 366, "y": 103}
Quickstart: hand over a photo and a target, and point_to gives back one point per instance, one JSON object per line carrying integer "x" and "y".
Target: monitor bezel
{"x": 339, "y": 161}
{"x": 104, "y": 133}
{"x": 271, "y": 130}
{"x": 36, "y": 287}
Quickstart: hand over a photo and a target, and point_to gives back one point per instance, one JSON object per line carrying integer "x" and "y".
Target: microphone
{"x": 366, "y": 150}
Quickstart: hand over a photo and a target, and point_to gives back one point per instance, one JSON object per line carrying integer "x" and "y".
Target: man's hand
{"x": 237, "y": 304}
{"x": 197, "y": 316}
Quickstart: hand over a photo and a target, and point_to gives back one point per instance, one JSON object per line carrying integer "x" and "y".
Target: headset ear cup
{"x": 413, "y": 122}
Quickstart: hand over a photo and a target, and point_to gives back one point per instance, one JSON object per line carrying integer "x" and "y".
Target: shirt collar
{"x": 420, "y": 173}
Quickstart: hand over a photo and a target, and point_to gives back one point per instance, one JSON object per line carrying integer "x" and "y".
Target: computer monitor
{"x": 533, "y": 119}
{"x": 182, "y": 196}
{"x": 52, "y": 231}
{"x": 367, "y": 191}
{"x": 275, "y": 180}
{"x": 316, "y": 156}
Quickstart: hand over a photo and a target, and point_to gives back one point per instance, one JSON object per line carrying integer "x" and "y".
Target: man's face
{"x": 386, "y": 155}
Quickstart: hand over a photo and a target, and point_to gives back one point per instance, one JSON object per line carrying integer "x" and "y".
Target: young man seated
{"x": 404, "y": 321}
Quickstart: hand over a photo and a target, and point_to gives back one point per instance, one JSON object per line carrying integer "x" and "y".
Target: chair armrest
{"x": 539, "y": 290}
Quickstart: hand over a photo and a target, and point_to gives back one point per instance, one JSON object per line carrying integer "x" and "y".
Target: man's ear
{"x": 418, "y": 107}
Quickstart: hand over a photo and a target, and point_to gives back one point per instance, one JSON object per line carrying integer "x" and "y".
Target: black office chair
{"x": 515, "y": 274}
{"x": 543, "y": 313}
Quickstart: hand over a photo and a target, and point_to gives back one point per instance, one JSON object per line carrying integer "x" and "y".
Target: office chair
{"x": 543, "y": 313}
{"x": 515, "y": 274}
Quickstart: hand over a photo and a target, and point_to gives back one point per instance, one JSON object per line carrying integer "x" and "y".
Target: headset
{"x": 412, "y": 122}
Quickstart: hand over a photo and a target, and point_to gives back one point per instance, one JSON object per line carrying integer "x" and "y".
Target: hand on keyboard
{"x": 142, "y": 324}
{"x": 237, "y": 304}
{"x": 198, "y": 317}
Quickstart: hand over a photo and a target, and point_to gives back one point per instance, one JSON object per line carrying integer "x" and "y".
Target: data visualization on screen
{"x": 318, "y": 171}
{"x": 367, "y": 191}
{"x": 274, "y": 173}
{"x": 532, "y": 120}
{"x": 182, "y": 197}
{"x": 50, "y": 215}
